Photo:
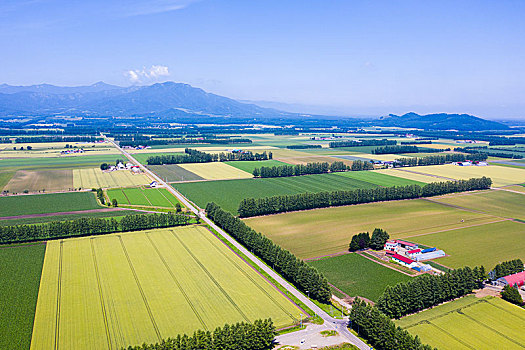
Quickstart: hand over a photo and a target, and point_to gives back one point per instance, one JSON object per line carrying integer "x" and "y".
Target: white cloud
{"x": 147, "y": 75}
{"x": 141, "y": 7}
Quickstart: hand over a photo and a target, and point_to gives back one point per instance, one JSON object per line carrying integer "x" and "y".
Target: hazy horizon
{"x": 337, "y": 57}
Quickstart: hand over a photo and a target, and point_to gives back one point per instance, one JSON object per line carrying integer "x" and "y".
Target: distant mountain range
{"x": 177, "y": 100}
{"x": 441, "y": 121}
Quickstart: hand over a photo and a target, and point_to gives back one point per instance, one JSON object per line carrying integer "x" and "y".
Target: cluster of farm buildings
{"x": 120, "y": 166}
{"x": 410, "y": 255}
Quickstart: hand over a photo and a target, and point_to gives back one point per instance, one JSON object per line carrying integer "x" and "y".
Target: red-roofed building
{"x": 513, "y": 280}
{"x": 400, "y": 259}
{"x": 406, "y": 245}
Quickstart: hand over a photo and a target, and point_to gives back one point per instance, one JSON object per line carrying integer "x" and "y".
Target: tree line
{"x": 89, "y": 226}
{"x": 195, "y": 156}
{"x": 41, "y": 139}
{"x": 303, "y": 146}
{"x": 285, "y": 203}
{"x": 183, "y": 141}
{"x": 258, "y": 335}
{"x": 358, "y": 165}
{"x": 380, "y": 331}
{"x": 506, "y": 268}
{"x": 302, "y": 275}
{"x": 362, "y": 240}
{"x": 428, "y": 290}
{"x": 439, "y": 159}
{"x": 300, "y": 169}
{"x": 417, "y": 142}
{"x": 367, "y": 142}
{"x": 487, "y": 152}
{"x": 395, "y": 149}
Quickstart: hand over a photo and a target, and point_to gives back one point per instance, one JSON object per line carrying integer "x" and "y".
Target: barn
{"x": 517, "y": 279}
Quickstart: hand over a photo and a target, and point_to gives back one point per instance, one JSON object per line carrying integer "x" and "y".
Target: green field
{"x": 469, "y": 323}
{"x": 481, "y": 245}
{"x": 149, "y": 197}
{"x": 229, "y": 193}
{"x": 5, "y": 176}
{"x": 59, "y": 162}
{"x": 47, "y": 203}
{"x": 21, "y": 267}
{"x": 379, "y": 179}
{"x": 500, "y": 203}
{"x": 42, "y": 219}
{"x": 173, "y": 173}
{"x": 248, "y": 166}
{"x": 126, "y": 289}
{"x": 329, "y": 230}
{"x": 356, "y": 275}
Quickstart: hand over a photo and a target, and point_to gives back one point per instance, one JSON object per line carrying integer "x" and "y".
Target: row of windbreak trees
{"x": 89, "y": 226}
{"x": 300, "y": 169}
{"x": 439, "y": 159}
{"x": 240, "y": 336}
{"x": 302, "y": 275}
{"x": 506, "y": 268}
{"x": 428, "y": 290}
{"x": 195, "y": 156}
{"x": 380, "y": 331}
{"x": 364, "y": 142}
{"x": 285, "y": 203}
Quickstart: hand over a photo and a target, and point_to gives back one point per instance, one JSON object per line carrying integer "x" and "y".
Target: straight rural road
{"x": 338, "y": 324}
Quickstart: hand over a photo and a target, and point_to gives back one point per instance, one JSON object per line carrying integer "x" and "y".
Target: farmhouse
{"x": 406, "y": 245}
{"x": 153, "y": 184}
{"x": 517, "y": 279}
{"x": 391, "y": 246}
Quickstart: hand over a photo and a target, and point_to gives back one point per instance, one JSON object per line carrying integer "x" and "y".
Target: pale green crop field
{"x": 469, "y": 323}
{"x": 96, "y": 178}
{"x": 487, "y": 244}
{"x": 108, "y": 292}
{"x": 496, "y": 202}
{"x": 501, "y": 176}
{"x": 324, "y": 231}
{"x": 216, "y": 171}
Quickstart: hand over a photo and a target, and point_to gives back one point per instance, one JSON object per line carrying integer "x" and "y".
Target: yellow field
{"x": 95, "y": 178}
{"x": 406, "y": 173}
{"x": 216, "y": 171}
{"x": 53, "y": 149}
{"x": 217, "y": 149}
{"x": 501, "y": 176}
{"x": 108, "y": 292}
{"x": 39, "y": 180}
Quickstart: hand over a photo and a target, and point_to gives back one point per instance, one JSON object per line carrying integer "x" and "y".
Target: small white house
{"x": 120, "y": 166}
{"x": 153, "y": 184}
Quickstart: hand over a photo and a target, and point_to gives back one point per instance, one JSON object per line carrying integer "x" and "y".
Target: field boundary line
{"x": 188, "y": 300}
{"x": 210, "y": 276}
{"x": 385, "y": 265}
{"x": 59, "y": 295}
{"x": 163, "y": 195}
{"x": 327, "y": 256}
{"x": 459, "y": 228}
{"x": 250, "y": 278}
{"x": 450, "y": 335}
{"x": 125, "y": 195}
{"x": 429, "y": 175}
{"x": 150, "y": 313}
{"x": 496, "y": 306}
{"x": 101, "y": 296}
{"x": 266, "y": 279}
{"x": 143, "y": 192}
{"x": 490, "y": 328}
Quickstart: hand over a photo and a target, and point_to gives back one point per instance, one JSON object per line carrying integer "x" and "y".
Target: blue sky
{"x": 357, "y": 57}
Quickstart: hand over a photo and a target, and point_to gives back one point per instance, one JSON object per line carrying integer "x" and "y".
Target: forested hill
{"x": 100, "y": 99}
{"x": 441, "y": 121}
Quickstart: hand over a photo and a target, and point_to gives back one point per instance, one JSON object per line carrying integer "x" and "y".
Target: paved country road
{"x": 330, "y": 322}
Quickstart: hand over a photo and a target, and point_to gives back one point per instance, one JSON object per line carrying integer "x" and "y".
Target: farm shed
{"x": 512, "y": 280}
{"x": 404, "y": 260}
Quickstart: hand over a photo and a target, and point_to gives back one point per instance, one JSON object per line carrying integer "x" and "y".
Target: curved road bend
{"x": 330, "y": 322}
